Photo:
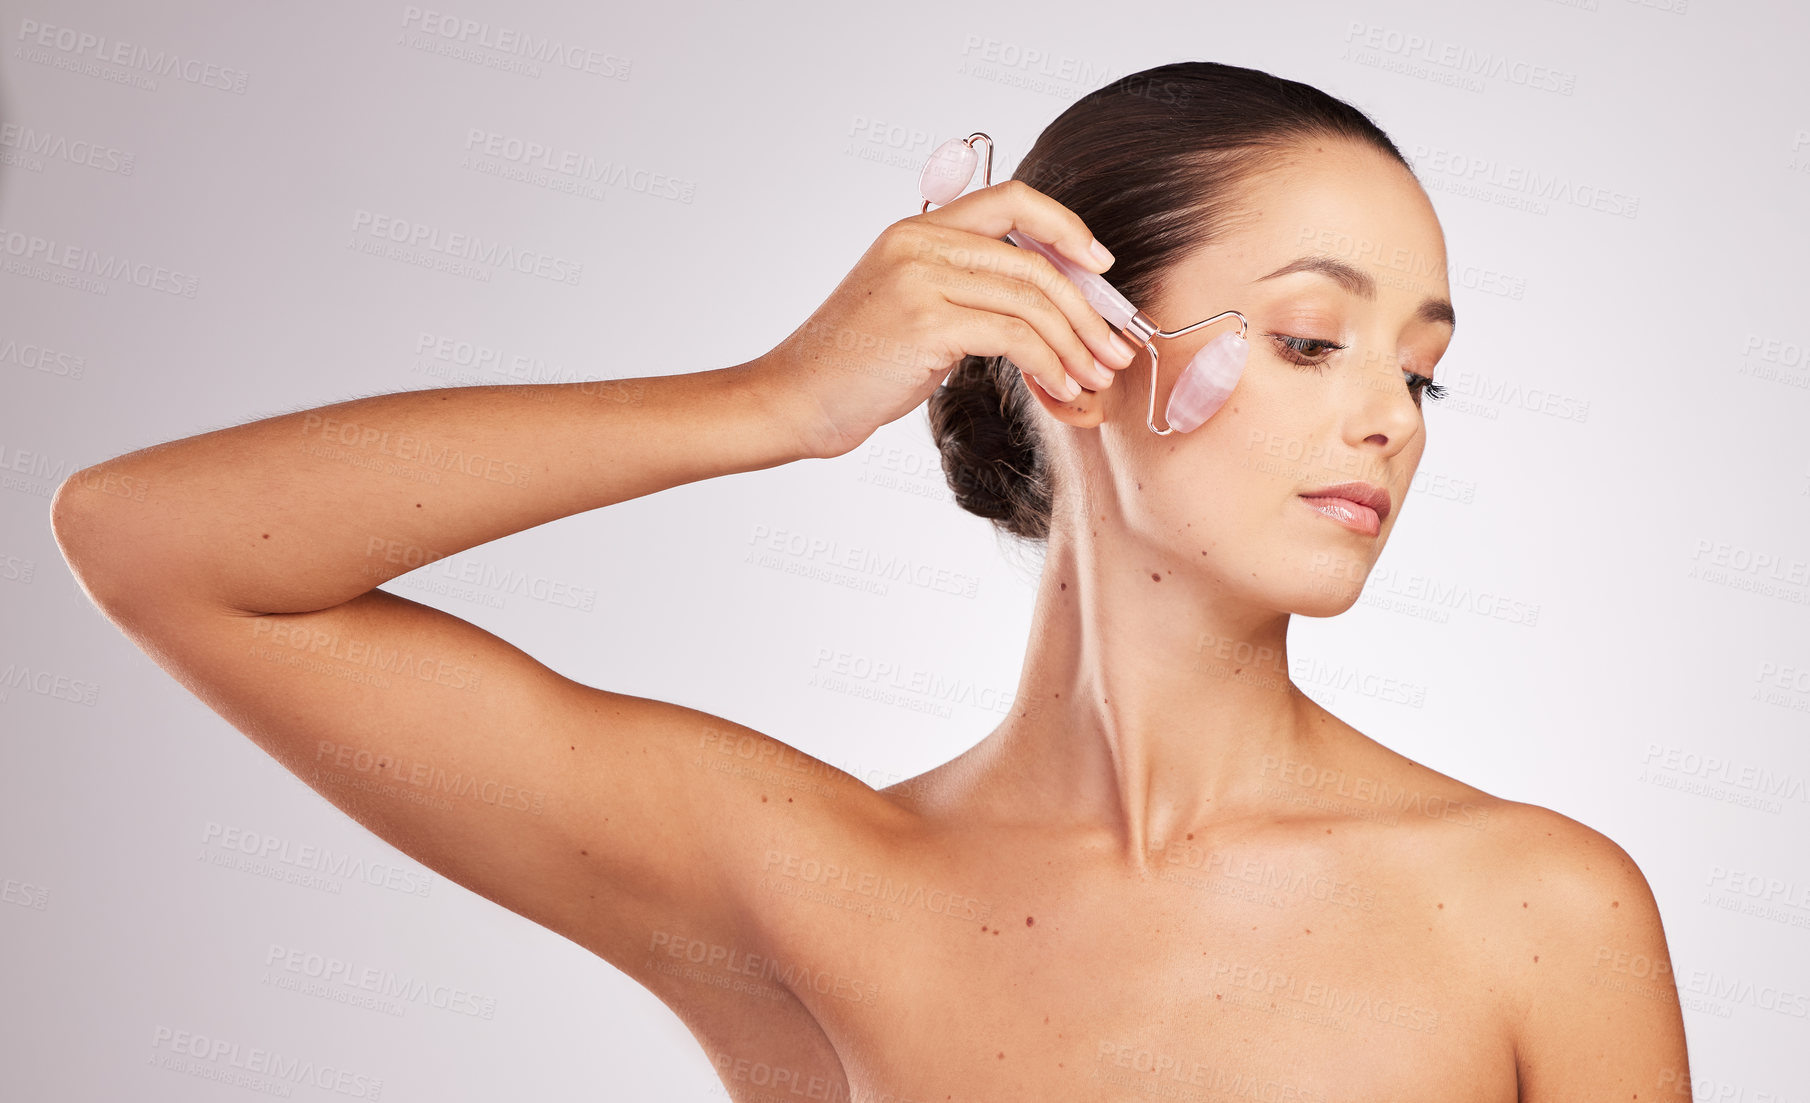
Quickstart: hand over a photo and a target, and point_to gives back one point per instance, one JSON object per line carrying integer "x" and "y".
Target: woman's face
{"x": 1227, "y": 499}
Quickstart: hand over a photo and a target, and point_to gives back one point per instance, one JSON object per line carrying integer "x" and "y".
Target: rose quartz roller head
{"x": 1207, "y": 381}
{"x": 950, "y": 168}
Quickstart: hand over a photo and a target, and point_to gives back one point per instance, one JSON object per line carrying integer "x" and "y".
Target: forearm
{"x": 306, "y": 510}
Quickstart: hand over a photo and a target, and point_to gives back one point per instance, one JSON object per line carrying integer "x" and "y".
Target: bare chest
{"x": 1216, "y": 974}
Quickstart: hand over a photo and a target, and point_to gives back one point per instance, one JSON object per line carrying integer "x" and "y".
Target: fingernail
{"x": 1106, "y": 375}
{"x": 1071, "y": 389}
{"x": 1101, "y": 254}
{"x": 1124, "y": 348}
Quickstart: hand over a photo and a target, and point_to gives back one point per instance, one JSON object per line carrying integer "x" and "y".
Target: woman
{"x": 1168, "y": 872}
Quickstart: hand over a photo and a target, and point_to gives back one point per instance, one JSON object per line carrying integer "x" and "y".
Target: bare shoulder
{"x": 1563, "y": 927}
{"x": 1580, "y": 941}
{"x": 1550, "y": 876}
{"x": 1576, "y": 865}
{"x": 1566, "y": 855}
{"x": 1538, "y": 867}
{"x": 1566, "y": 886}
{"x": 1528, "y": 874}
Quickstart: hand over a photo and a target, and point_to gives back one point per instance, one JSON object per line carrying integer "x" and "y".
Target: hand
{"x": 932, "y": 289}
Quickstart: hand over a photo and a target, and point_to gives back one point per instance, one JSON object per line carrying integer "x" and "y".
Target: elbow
{"x": 71, "y": 521}
{"x": 87, "y": 518}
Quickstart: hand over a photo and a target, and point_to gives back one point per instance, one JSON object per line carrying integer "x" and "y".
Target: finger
{"x": 998, "y": 209}
{"x": 983, "y": 290}
{"x": 971, "y": 253}
{"x": 986, "y": 333}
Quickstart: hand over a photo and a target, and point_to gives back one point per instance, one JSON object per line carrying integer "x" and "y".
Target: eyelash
{"x": 1293, "y": 351}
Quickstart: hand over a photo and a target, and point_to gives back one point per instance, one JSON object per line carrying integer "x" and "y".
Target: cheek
{"x": 1230, "y": 476}
{"x": 1262, "y": 432}
{"x": 1238, "y": 468}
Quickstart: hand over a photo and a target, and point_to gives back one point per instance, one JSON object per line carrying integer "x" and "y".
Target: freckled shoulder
{"x": 1561, "y": 903}
{"x": 1522, "y": 869}
{"x": 1575, "y": 869}
{"x": 1577, "y": 939}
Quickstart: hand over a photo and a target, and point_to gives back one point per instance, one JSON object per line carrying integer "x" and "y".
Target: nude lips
{"x": 1358, "y": 518}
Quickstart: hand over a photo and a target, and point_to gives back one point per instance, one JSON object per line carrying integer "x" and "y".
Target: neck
{"x": 1148, "y": 706}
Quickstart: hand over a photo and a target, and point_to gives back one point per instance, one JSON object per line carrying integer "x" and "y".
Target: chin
{"x": 1323, "y": 597}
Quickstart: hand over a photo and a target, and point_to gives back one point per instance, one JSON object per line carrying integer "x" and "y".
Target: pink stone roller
{"x": 1209, "y": 378}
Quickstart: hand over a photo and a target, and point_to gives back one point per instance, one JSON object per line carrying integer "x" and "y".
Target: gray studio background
{"x": 1596, "y": 599}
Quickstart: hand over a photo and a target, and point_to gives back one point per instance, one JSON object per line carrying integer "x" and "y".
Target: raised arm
{"x": 304, "y": 511}
{"x": 244, "y": 561}
{"x": 247, "y": 570}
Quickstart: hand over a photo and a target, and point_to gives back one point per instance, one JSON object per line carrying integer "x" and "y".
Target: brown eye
{"x": 1308, "y": 352}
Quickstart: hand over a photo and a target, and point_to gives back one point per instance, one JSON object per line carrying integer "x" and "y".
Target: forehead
{"x": 1333, "y": 199}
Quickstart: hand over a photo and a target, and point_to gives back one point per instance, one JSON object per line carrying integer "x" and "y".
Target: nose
{"x": 1384, "y": 414}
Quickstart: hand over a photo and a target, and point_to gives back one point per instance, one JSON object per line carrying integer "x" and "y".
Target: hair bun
{"x": 983, "y": 423}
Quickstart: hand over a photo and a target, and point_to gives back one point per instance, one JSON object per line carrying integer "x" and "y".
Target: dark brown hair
{"x": 1153, "y": 163}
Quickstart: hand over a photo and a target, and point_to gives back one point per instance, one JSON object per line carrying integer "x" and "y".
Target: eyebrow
{"x": 1362, "y": 284}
